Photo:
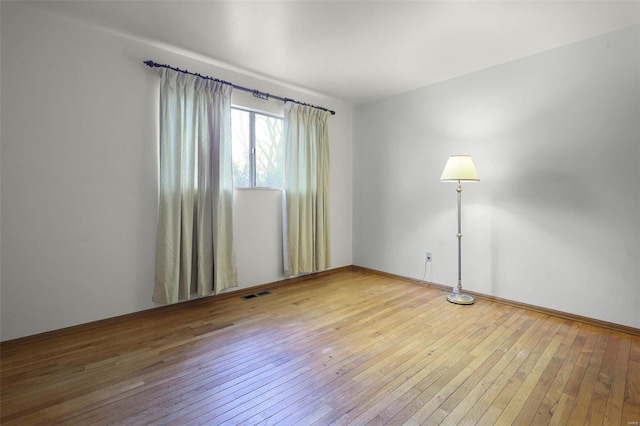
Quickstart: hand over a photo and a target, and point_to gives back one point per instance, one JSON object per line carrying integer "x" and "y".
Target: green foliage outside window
{"x": 258, "y": 149}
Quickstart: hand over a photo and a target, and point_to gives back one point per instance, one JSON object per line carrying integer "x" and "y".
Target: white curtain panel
{"x": 195, "y": 252}
{"x": 306, "y": 221}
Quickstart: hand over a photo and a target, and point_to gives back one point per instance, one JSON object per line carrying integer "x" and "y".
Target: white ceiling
{"x": 357, "y": 50}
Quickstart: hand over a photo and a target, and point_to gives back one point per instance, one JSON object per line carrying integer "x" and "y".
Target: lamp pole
{"x": 459, "y": 235}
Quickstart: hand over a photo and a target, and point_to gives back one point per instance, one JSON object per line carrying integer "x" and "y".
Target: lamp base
{"x": 460, "y": 299}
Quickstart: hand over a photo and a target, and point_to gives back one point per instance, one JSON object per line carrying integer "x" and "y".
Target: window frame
{"x": 252, "y": 144}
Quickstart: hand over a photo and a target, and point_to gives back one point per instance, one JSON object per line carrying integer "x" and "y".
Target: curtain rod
{"x": 256, "y": 93}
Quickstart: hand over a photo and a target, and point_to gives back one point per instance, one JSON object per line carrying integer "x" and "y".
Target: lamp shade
{"x": 459, "y": 168}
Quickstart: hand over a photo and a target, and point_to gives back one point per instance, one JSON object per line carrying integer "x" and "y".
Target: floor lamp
{"x": 459, "y": 168}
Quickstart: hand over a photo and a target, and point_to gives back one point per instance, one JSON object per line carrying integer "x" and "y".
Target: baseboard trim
{"x": 293, "y": 280}
{"x": 573, "y": 317}
{"x": 164, "y": 309}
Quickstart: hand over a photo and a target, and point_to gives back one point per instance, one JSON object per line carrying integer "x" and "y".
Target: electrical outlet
{"x": 429, "y": 257}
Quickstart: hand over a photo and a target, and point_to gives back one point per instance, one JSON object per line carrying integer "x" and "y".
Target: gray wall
{"x": 555, "y": 220}
{"x": 79, "y": 174}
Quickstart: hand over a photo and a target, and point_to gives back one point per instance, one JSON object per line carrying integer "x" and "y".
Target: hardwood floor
{"x": 345, "y": 348}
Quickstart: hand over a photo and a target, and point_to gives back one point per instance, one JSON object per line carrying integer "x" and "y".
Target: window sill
{"x": 257, "y": 188}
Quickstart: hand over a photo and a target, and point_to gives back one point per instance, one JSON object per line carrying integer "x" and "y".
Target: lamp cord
{"x": 426, "y": 262}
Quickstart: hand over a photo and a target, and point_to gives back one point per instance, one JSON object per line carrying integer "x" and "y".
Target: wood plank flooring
{"x": 348, "y": 348}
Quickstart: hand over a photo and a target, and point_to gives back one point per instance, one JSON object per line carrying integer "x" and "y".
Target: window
{"x": 258, "y": 149}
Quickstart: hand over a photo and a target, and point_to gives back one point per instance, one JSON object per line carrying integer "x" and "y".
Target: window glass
{"x": 269, "y": 149}
{"x": 240, "y": 135}
{"x": 258, "y": 149}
